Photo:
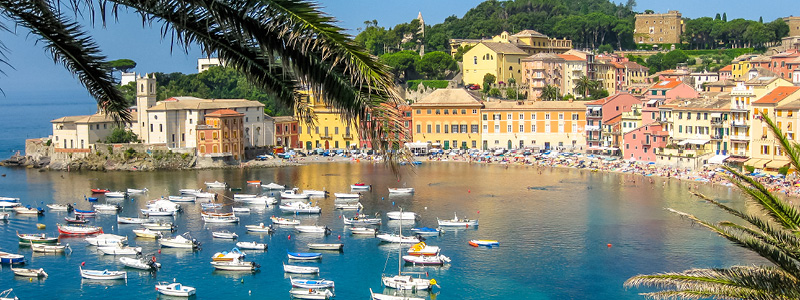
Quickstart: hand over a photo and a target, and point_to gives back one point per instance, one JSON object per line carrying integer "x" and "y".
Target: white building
{"x": 82, "y": 132}
{"x": 206, "y": 63}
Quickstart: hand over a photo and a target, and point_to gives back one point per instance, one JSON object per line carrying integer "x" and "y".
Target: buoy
{"x": 608, "y": 245}
{"x": 159, "y": 251}
{"x": 30, "y": 279}
{"x": 339, "y": 236}
{"x": 242, "y": 280}
{"x": 290, "y": 236}
{"x": 469, "y": 191}
{"x": 392, "y": 203}
{"x": 340, "y": 217}
{"x": 382, "y": 198}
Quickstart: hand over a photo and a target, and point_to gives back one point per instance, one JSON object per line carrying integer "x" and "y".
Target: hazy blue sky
{"x": 35, "y": 73}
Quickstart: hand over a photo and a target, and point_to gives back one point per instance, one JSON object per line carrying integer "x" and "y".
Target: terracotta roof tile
{"x": 728, "y": 68}
{"x": 570, "y": 57}
{"x": 777, "y": 94}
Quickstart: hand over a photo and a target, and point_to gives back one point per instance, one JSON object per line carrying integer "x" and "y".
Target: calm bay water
{"x": 553, "y": 240}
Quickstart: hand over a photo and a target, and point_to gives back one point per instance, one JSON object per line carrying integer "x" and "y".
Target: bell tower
{"x": 145, "y": 99}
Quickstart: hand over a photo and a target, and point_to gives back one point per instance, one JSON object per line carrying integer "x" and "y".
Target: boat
{"x": 6, "y": 202}
{"x": 258, "y": 200}
{"x": 243, "y": 210}
{"x": 313, "y": 229}
{"x": 216, "y": 214}
{"x": 224, "y": 234}
{"x": 347, "y": 195}
{"x": 106, "y": 207}
{"x": 329, "y": 246}
{"x": 242, "y": 196}
{"x": 140, "y": 263}
{"x": 120, "y": 250}
{"x": 211, "y": 205}
{"x": 49, "y": 248}
{"x": 180, "y": 241}
{"x": 220, "y": 219}
{"x": 312, "y": 283}
{"x": 304, "y": 255}
{"x": 254, "y": 182}
{"x": 234, "y": 254}
{"x": 273, "y": 186}
{"x": 427, "y": 231}
{"x": 363, "y": 230}
{"x": 375, "y": 296}
{"x": 235, "y": 265}
{"x": 29, "y": 272}
{"x": 205, "y": 195}
{"x": 299, "y": 269}
{"x": 311, "y": 294}
{"x": 284, "y": 221}
{"x": 78, "y": 219}
{"x": 4, "y": 217}
{"x": 456, "y": 222}
{"x": 251, "y": 245}
{"x": 27, "y": 210}
{"x": 6, "y": 295}
{"x": 348, "y": 206}
{"x": 136, "y": 191}
{"x": 36, "y": 238}
{"x": 159, "y": 226}
{"x": 11, "y": 258}
{"x": 293, "y": 194}
{"x": 91, "y": 199}
{"x": 396, "y": 238}
{"x": 99, "y": 191}
{"x": 316, "y": 193}
{"x": 85, "y": 213}
{"x": 190, "y": 191}
{"x": 158, "y": 212}
{"x": 362, "y": 219}
{"x": 107, "y": 240}
{"x": 126, "y": 220}
{"x": 401, "y": 190}
{"x": 400, "y": 281}
{"x": 300, "y": 208}
{"x": 423, "y": 249}
{"x": 147, "y": 233}
{"x": 115, "y": 194}
{"x": 182, "y": 198}
{"x": 216, "y": 185}
{"x": 360, "y": 186}
{"x": 259, "y": 228}
{"x": 396, "y": 215}
{"x": 103, "y": 275}
{"x": 59, "y": 207}
{"x": 485, "y": 243}
{"x": 434, "y": 260}
{"x": 78, "y": 229}
{"x": 163, "y": 204}
{"x": 175, "y": 289}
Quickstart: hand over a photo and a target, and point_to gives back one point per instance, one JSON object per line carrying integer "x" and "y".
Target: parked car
{"x": 473, "y": 87}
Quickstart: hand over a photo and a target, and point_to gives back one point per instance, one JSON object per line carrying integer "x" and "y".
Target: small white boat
{"x": 284, "y": 221}
{"x": 205, "y": 195}
{"x": 11, "y": 258}
{"x": 434, "y": 260}
{"x": 300, "y": 208}
{"x": 136, "y": 191}
{"x": 313, "y": 229}
{"x": 48, "y": 248}
{"x": 107, "y": 239}
{"x": 312, "y": 283}
{"x": 233, "y": 255}
{"x": 300, "y": 270}
{"x": 390, "y": 297}
{"x": 182, "y": 198}
{"x": 190, "y": 191}
{"x": 140, "y": 263}
{"x": 163, "y": 204}
{"x": 175, "y": 289}
{"x": 316, "y": 193}
{"x": 259, "y": 228}
{"x": 181, "y": 241}
{"x": 235, "y": 265}
{"x": 396, "y": 238}
{"x": 243, "y": 210}
{"x": 457, "y": 222}
{"x": 116, "y": 194}
{"x": 106, "y": 207}
{"x": 147, "y": 233}
{"x": 216, "y": 185}
{"x": 224, "y": 234}
{"x": 348, "y": 206}
{"x": 360, "y": 187}
{"x": 311, "y": 294}
{"x": 401, "y": 190}
{"x": 59, "y": 207}
{"x": 158, "y": 212}
{"x": 363, "y": 230}
{"x": 406, "y": 215}
{"x": 159, "y": 226}
{"x": 120, "y": 250}
{"x": 406, "y": 282}
{"x": 103, "y": 275}
{"x": 347, "y": 195}
{"x": 254, "y": 182}
{"x": 29, "y": 272}
{"x": 260, "y": 200}
{"x": 4, "y": 216}
{"x": 329, "y": 246}
{"x": 6, "y": 295}
{"x": 126, "y": 220}
{"x": 210, "y": 205}
{"x": 362, "y": 219}
{"x": 304, "y": 255}
{"x": 251, "y": 245}
{"x": 220, "y": 219}
{"x": 273, "y": 186}
{"x": 423, "y": 249}
{"x": 27, "y": 210}
{"x": 242, "y": 196}
{"x": 6, "y": 202}
{"x": 426, "y": 231}
{"x": 293, "y": 194}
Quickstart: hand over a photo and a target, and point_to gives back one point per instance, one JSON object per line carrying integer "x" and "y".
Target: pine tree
{"x": 724, "y": 17}
{"x": 717, "y": 17}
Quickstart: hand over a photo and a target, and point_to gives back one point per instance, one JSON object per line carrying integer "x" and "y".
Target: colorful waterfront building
{"x": 447, "y": 119}
{"x": 81, "y": 133}
{"x": 286, "y": 132}
{"x": 601, "y": 111}
{"x": 725, "y": 73}
{"x": 539, "y": 125}
{"x": 328, "y": 129}
{"x": 221, "y": 135}
{"x": 779, "y": 105}
{"x": 742, "y": 96}
{"x": 640, "y": 143}
{"x": 560, "y": 70}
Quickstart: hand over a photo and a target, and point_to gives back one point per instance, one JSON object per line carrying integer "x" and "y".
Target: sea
{"x": 563, "y": 233}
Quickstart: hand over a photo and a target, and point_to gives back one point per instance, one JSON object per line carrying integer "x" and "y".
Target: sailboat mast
{"x": 400, "y": 248}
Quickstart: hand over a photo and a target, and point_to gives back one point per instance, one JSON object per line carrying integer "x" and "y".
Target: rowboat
{"x": 293, "y": 194}
{"x": 137, "y": 191}
{"x": 120, "y": 250}
{"x": 330, "y": 246}
{"x": 390, "y": 297}
{"x": 35, "y": 238}
{"x": 126, "y": 220}
{"x": 284, "y": 221}
{"x": 254, "y": 182}
{"x": 216, "y": 214}
{"x": 205, "y": 195}
{"x": 360, "y": 187}
{"x": 221, "y": 219}
{"x": 6, "y": 295}
{"x": 434, "y": 260}
{"x": 106, "y": 207}
{"x": 115, "y": 194}
{"x": 457, "y": 222}
{"x": 216, "y": 185}
{"x": 159, "y": 226}
{"x": 78, "y": 229}
{"x": 11, "y": 258}
{"x": 347, "y": 195}
{"x": 49, "y": 248}
{"x": 234, "y": 254}
{"x": 210, "y": 205}
{"x": 103, "y": 275}
{"x": 181, "y": 241}
{"x": 224, "y": 234}
{"x": 235, "y": 265}
{"x": 147, "y": 233}
{"x": 362, "y": 230}
{"x": 91, "y": 199}
{"x": 316, "y": 193}
{"x": 251, "y": 245}
{"x": 107, "y": 240}
{"x": 258, "y": 200}
{"x": 396, "y": 238}
{"x": 300, "y": 208}
{"x": 99, "y": 191}
{"x": 182, "y": 198}
{"x": 85, "y": 213}
{"x": 300, "y": 270}
{"x": 312, "y": 283}
{"x": 311, "y": 294}
{"x": 29, "y": 272}
{"x": 59, "y": 207}
{"x": 243, "y": 210}
{"x": 427, "y": 231}
{"x": 348, "y": 206}
{"x": 140, "y": 263}
{"x": 259, "y": 228}
{"x": 78, "y": 219}
{"x": 27, "y": 210}
{"x": 396, "y": 215}
{"x": 423, "y": 249}
{"x": 486, "y": 243}
{"x": 304, "y": 255}
{"x": 401, "y": 190}
{"x": 175, "y": 289}
{"x": 190, "y": 191}
{"x": 6, "y": 202}
{"x": 273, "y": 186}
{"x": 158, "y": 212}
{"x": 313, "y": 229}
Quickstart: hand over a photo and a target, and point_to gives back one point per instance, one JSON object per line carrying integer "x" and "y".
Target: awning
{"x": 651, "y": 102}
{"x": 694, "y": 142}
{"x": 716, "y": 115}
{"x": 753, "y": 162}
{"x": 595, "y": 108}
{"x": 777, "y": 164}
{"x": 736, "y": 160}
{"x": 717, "y": 159}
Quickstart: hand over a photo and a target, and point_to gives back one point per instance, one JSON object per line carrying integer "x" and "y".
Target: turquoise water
{"x": 554, "y": 240}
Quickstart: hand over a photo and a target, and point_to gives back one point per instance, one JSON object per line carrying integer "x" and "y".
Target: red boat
{"x": 76, "y": 220}
{"x": 79, "y": 229}
{"x": 99, "y": 191}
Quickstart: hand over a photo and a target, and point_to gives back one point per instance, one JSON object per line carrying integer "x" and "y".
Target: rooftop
{"x": 505, "y": 48}
{"x": 535, "y": 105}
{"x": 448, "y": 97}
{"x": 192, "y": 103}
{"x": 777, "y": 94}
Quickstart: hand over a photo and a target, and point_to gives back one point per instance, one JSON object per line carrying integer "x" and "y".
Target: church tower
{"x": 145, "y": 99}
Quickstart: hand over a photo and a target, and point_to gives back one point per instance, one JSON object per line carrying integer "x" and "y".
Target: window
{"x": 508, "y": 116}
{"x": 533, "y": 127}
{"x": 336, "y": 131}
{"x": 680, "y": 128}
{"x": 522, "y": 116}
{"x": 474, "y": 111}
{"x": 446, "y": 112}
{"x": 765, "y": 149}
{"x": 496, "y": 117}
{"x": 463, "y": 128}
{"x": 688, "y": 116}
{"x": 574, "y": 128}
{"x": 438, "y": 128}
{"x": 474, "y": 60}
{"x": 161, "y": 127}
{"x": 485, "y": 128}
{"x": 547, "y": 116}
{"x": 485, "y": 117}
{"x": 151, "y": 127}
{"x": 455, "y": 111}
{"x": 446, "y": 129}
{"x": 496, "y": 128}
{"x": 560, "y": 128}
{"x": 533, "y": 116}
{"x": 575, "y": 117}
{"x": 688, "y": 129}
{"x": 418, "y": 112}
{"x": 429, "y": 111}
{"x": 429, "y": 128}
{"x": 521, "y": 128}
{"x": 454, "y": 128}
{"x": 475, "y": 130}
{"x": 418, "y": 128}
{"x": 508, "y": 129}
{"x": 547, "y": 128}
{"x": 438, "y": 112}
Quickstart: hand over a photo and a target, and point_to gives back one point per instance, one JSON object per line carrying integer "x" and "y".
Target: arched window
{"x": 475, "y": 60}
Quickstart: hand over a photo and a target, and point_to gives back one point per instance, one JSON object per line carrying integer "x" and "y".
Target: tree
{"x": 649, "y": 11}
{"x": 717, "y": 17}
{"x": 511, "y": 93}
{"x": 121, "y": 136}
{"x": 605, "y": 48}
{"x": 493, "y": 92}
{"x": 724, "y": 17}
{"x": 585, "y": 85}
{"x": 758, "y": 34}
{"x": 401, "y": 62}
{"x": 550, "y": 93}
{"x": 488, "y": 80}
{"x": 673, "y": 58}
{"x": 278, "y": 45}
{"x": 461, "y": 51}
{"x": 122, "y": 65}
{"x": 436, "y": 65}
{"x": 771, "y": 232}
{"x": 655, "y": 62}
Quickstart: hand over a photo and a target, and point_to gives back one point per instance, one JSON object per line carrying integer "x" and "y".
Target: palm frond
{"x": 791, "y": 152}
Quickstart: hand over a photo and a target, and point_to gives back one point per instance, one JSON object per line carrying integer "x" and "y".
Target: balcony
{"x": 717, "y": 122}
{"x": 737, "y": 123}
{"x": 716, "y": 137}
{"x": 347, "y": 136}
{"x": 740, "y": 107}
{"x": 596, "y": 114}
{"x": 591, "y": 128}
{"x": 739, "y": 138}
{"x": 593, "y": 138}
{"x": 326, "y": 137}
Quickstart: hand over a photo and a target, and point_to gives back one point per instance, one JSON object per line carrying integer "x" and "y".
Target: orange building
{"x": 221, "y": 135}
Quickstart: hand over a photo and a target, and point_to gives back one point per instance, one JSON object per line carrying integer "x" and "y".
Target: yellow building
{"x": 530, "y": 40}
{"x": 739, "y": 69}
{"x": 605, "y": 72}
{"x": 328, "y": 130}
{"x": 539, "y": 125}
{"x": 780, "y": 105}
{"x": 447, "y": 118}
{"x": 742, "y": 96}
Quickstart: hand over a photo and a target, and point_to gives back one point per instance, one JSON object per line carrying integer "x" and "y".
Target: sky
{"x": 33, "y": 73}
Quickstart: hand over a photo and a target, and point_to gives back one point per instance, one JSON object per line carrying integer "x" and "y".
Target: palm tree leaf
{"x": 791, "y": 152}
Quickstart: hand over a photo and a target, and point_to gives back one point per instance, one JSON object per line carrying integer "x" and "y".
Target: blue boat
{"x": 85, "y": 212}
{"x": 10, "y": 258}
{"x": 92, "y": 199}
{"x": 304, "y": 255}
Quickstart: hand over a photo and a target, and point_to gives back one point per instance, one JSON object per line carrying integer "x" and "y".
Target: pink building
{"x": 662, "y": 92}
{"x": 601, "y": 111}
{"x": 640, "y": 143}
{"x": 725, "y": 73}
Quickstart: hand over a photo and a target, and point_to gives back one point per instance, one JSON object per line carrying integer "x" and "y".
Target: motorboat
{"x": 426, "y": 231}
{"x": 107, "y": 240}
{"x": 106, "y": 207}
{"x": 293, "y": 194}
{"x": 485, "y": 243}
{"x": 59, "y": 207}
{"x": 224, "y": 234}
{"x": 103, "y": 275}
{"x": 241, "y": 210}
{"x": 210, "y": 205}
{"x": 220, "y": 219}
{"x": 284, "y": 221}
{"x": 205, "y": 195}
{"x": 78, "y": 229}
{"x": 273, "y": 186}
{"x": 329, "y": 246}
{"x": 300, "y": 208}
{"x": 397, "y": 215}
{"x": 216, "y": 185}
{"x": 258, "y": 200}
{"x": 159, "y": 226}
{"x": 456, "y": 222}
{"x": 158, "y": 212}
{"x": 259, "y": 228}
{"x": 91, "y": 199}
{"x": 115, "y": 194}
{"x": 27, "y": 210}
{"x": 396, "y": 238}
{"x": 235, "y": 265}
{"x": 311, "y": 294}
{"x": 347, "y": 195}
{"x": 163, "y": 205}
{"x": 175, "y": 289}
{"x": 99, "y": 191}
{"x": 180, "y": 241}
{"x": 78, "y": 219}
{"x": 251, "y": 245}
{"x": 300, "y": 269}
{"x": 316, "y": 193}
{"x": 234, "y": 254}
{"x": 190, "y": 191}
{"x": 401, "y": 191}
{"x": 147, "y": 233}
{"x": 254, "y": 182}
{"x": 4, "y": 217}
{"x": 312, "y": 229}
{"x": 363, "y": 230}
{"x": 423, "y": 249}
{"x": 11, "y": 258}
{"x": 50, "y": 248}
{"x": 6, "y": 295}
{"x": 304, "y": 255}
{"x": 312, "y": 283}
{"x": 182, "y": 198}
{"x": 242, "y": 196}
{"x": 362, "y": 219}
{"x": 127, "y": 220}
{"x": 120, "y": 250}
{"x": 375, "y": 296}
{"x": 29, "y": 272}
{"x": 85, "y": 213}
{"x": 434, "y": 260}
{"x": 140, "y": 263}
{"x": 136, "y": 191}
{"x": 36, "y": 238}
{"x": 360, "y": 186}
{"x": 6, "y": 202}
{"x": 348, "y": 206}
{"x": 216, "y": 214}
{"x": 406, "y": 282}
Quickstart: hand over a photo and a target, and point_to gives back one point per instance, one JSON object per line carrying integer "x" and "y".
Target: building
{"x": 448, "y": 118}
{"x": 81, "y": 133}
{"x": 658, "y": 28}
{"x": 560, "y": 70}
{"x": 631, "y": 119}
{"x": 725, "y": 73}
{"x": 328, "y": 129}
{"x": 700, "y": 79}
{"x": 742, "y": 97}
{"x": 529, "y": 40}
{"x": 221, "y": 135}
{"x": 206, "y": 63}
{"x": 703, "y": 125}
{"x": 535, "y": 125}
{"x": 794, "y": 25}
{"x": 286, "y": 132}
{"x": 640, "y": 143}
{"x": 600, "y": 112}
{"x": 740, "y": 66}
{"x": 765, "y": 152}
